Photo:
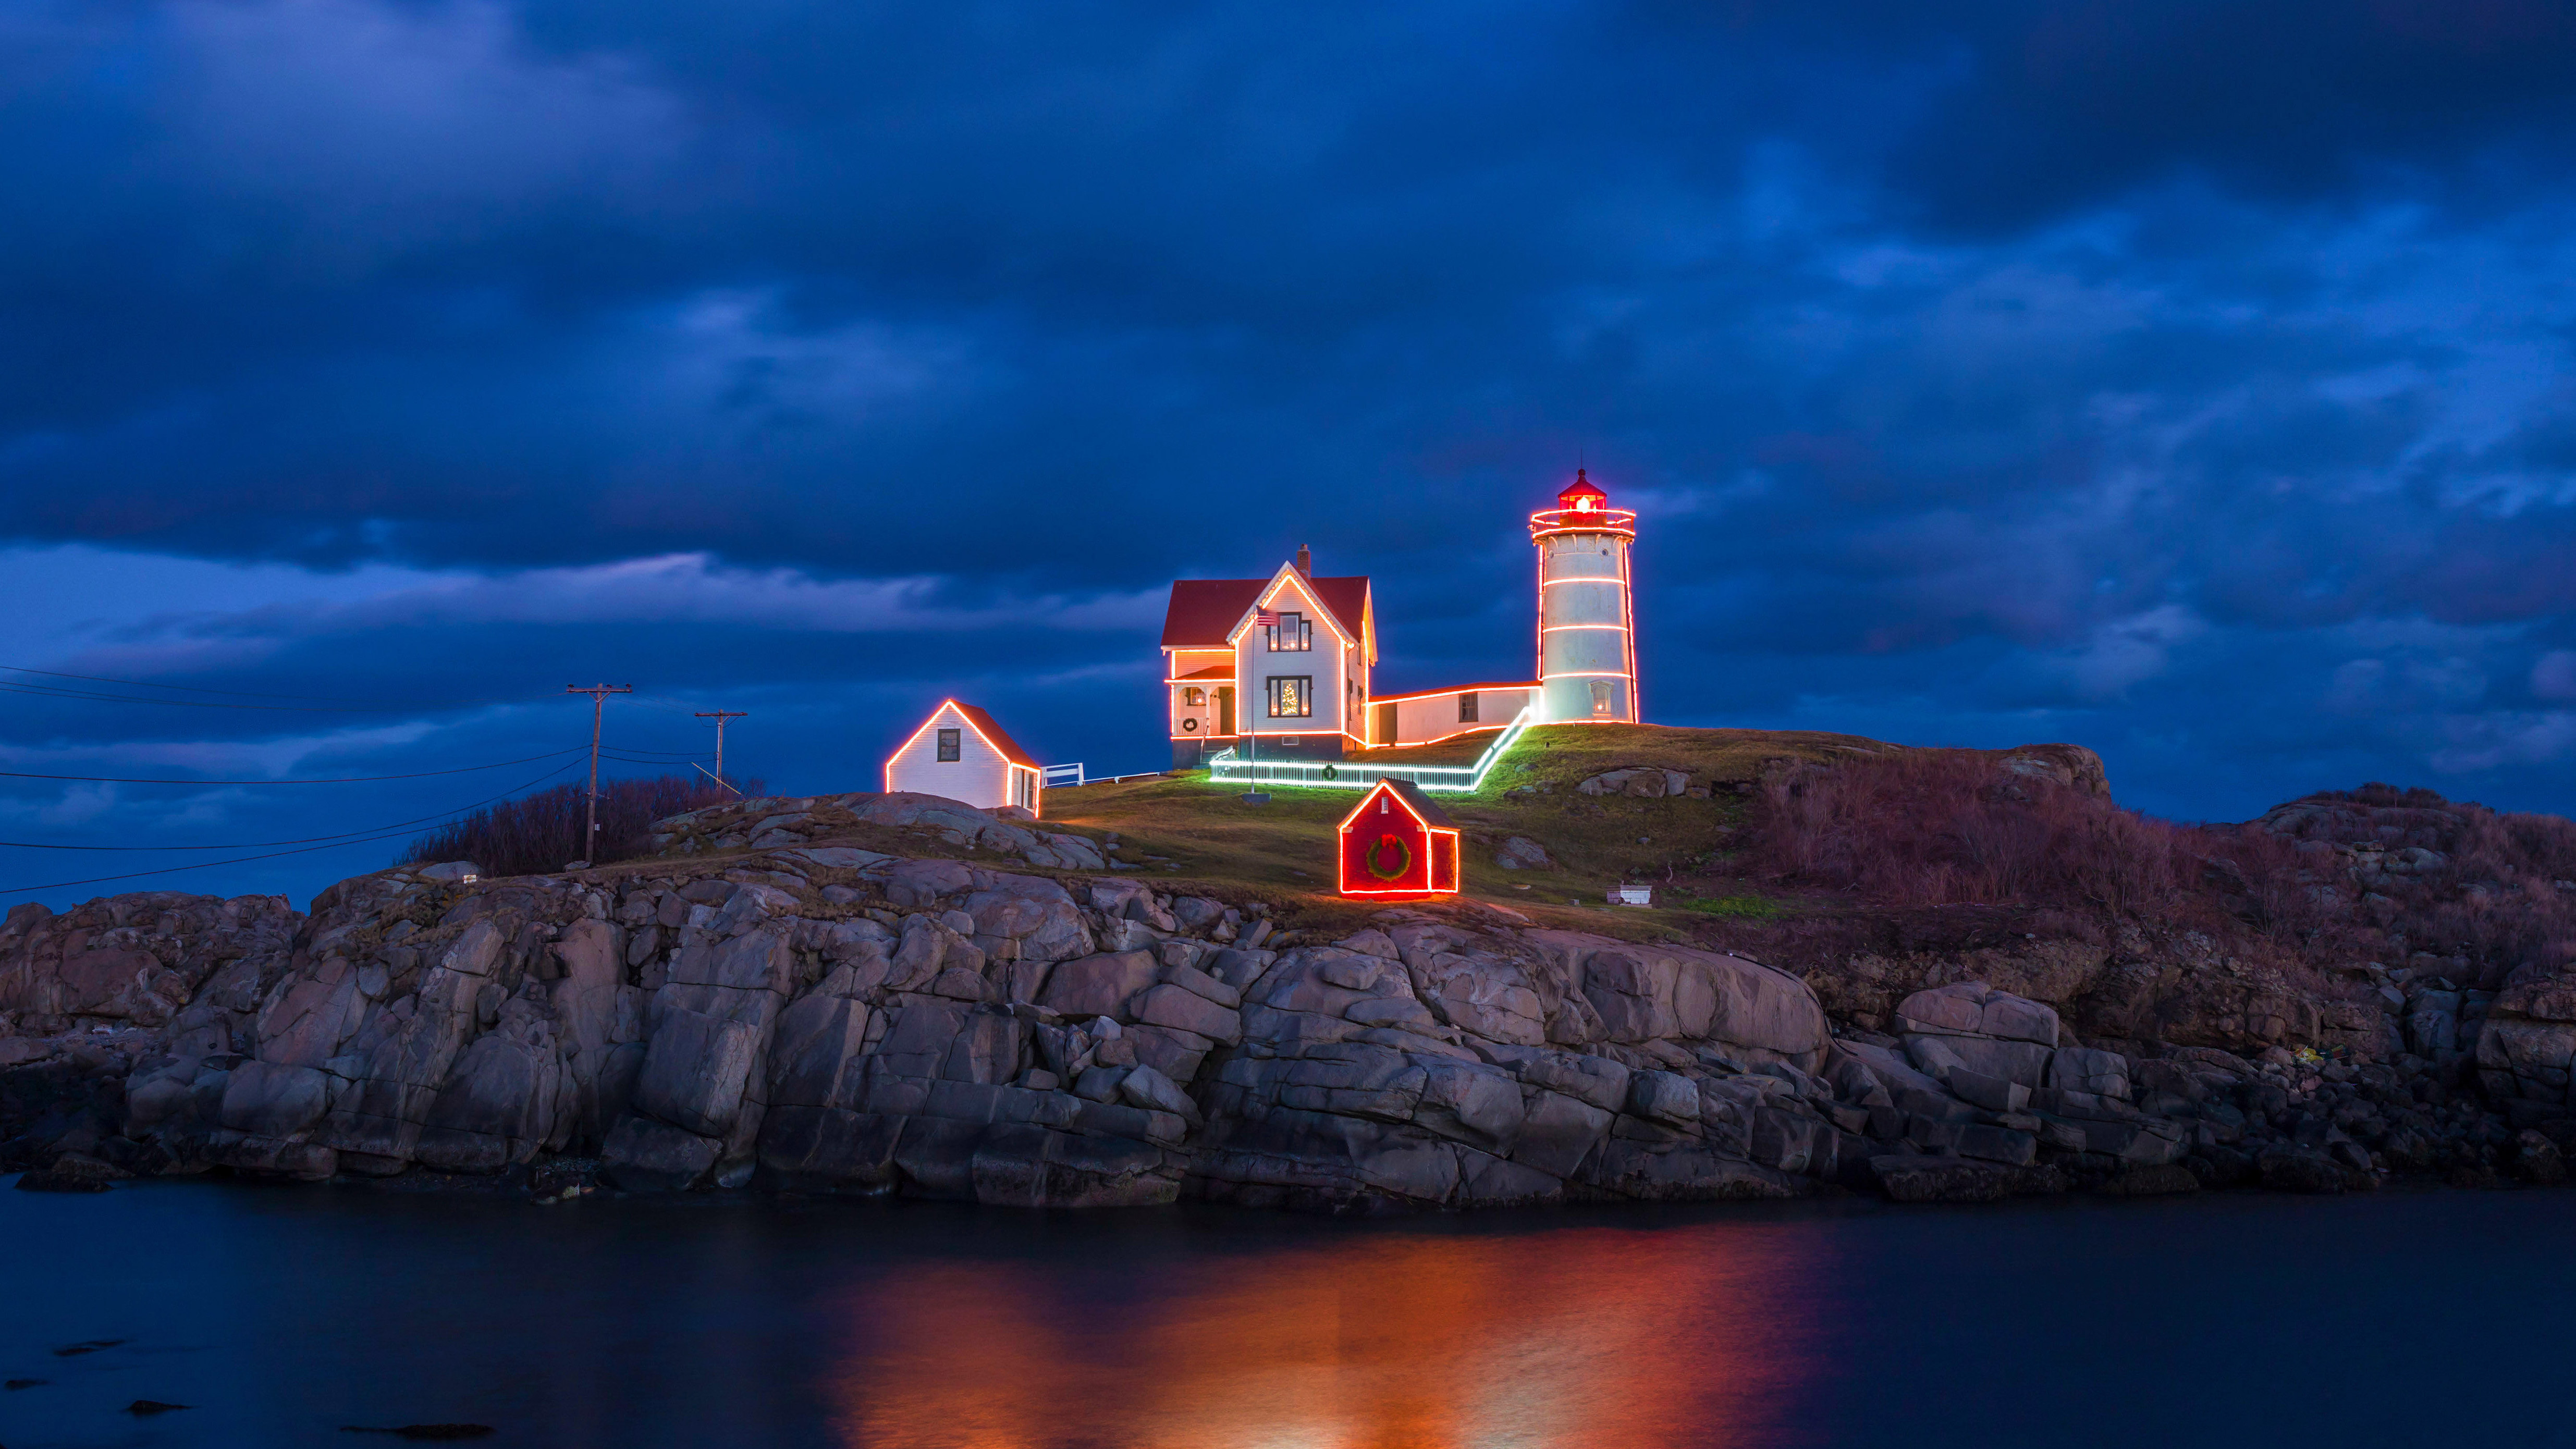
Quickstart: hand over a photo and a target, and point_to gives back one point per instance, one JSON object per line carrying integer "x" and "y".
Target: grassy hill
{"x": 1204, "y": 838}
{"x": 1873, "y": 870}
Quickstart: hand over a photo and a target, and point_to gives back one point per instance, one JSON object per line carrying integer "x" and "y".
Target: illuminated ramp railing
{"x": 1226, "y": 768}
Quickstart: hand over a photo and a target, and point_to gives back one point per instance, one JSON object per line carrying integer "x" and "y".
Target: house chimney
{"x": 1305, "y": 561}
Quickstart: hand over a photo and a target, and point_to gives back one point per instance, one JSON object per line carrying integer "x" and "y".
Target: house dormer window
{"x": 1291, "y": 635}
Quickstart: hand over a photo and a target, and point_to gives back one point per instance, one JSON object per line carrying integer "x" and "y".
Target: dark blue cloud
{"x": 2062, "y": 105}
{"x": 2190, "y": 380}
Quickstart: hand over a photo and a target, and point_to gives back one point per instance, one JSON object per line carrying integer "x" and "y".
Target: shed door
{"x": 1385, "y": 725}
{"x": 1225, "y": 709}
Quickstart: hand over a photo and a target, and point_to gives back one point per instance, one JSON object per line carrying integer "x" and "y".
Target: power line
{"x": 275, "y": 854}
{"x": 257, "y": 694}
{"x": 306, "y": 840}
{"x": 334, "y": 780}
{"x": 656, "y": 701}
{"x": 348, "y": 835}
{"x": 673, "y": 755}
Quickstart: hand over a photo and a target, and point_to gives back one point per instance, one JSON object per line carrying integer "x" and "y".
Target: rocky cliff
{"x": 972, "y": 1007}
{"x": 838, "y": 1020}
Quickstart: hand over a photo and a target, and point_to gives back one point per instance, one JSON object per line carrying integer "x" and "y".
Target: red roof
{"x": 995, "y": 735}
{"x": 1580, "y": 487}
{"x": 1414, "y": 800}
{"x": 1203, "y": 610}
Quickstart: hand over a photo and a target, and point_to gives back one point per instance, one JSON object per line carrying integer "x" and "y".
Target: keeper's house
{"x": 960, "y": 754}
{"x": 1287, "y": 659}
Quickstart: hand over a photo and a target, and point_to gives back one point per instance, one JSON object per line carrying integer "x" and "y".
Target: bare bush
{"x": 538, "y": 833}
{"x": 1942, "y": 827}
{"x": 2499, "y": 900}
{"x": 2331, "y": 879}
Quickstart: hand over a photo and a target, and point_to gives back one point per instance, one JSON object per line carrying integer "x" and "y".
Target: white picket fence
{"x": 1225, "y": 767}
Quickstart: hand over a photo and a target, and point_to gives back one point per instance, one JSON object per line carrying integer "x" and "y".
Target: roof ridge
{"x": 992, "y": 731}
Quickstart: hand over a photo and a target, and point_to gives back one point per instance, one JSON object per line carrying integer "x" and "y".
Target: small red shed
{"x": 1398, "y": 846}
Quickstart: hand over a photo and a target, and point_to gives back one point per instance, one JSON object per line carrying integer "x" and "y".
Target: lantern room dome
{"x": 1582, "y": 509}
{"x": 1582, "y": 495}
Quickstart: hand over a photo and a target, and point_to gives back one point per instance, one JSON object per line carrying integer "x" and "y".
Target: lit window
{"x": 1192, "y": 698}
{"x": 1467, "y": 707}
{"x": 948, "y": 744}
{"x": 1600, "y": 698}
{"x": 1291, "y": 635}
{"x": 1292, "y": 696}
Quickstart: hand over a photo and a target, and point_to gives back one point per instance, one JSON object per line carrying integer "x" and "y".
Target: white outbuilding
{"x": 960, "y": 754}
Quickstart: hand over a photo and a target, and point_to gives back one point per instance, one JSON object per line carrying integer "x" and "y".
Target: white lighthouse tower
{"x": 1587, "y": 634}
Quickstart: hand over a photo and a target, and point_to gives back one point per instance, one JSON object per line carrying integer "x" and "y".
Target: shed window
{"x": 1292, "y": 696}
{"x": 948, "y": 744}
{"x": 1467, "y": 707}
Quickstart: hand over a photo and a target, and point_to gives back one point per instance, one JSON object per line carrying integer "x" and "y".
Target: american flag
{"x": 1264, "y": 619}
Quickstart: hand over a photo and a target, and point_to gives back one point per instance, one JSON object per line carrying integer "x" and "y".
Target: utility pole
{"x": 599, "y": 694}
{"x": 720, "y": 716}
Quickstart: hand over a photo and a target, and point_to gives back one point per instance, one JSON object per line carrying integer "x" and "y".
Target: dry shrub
{"x": 2495, "y": 899}
{"x": 1927, "y": 828}
{"x": 538, "y": 833}
{"x": 1952, "y": 828}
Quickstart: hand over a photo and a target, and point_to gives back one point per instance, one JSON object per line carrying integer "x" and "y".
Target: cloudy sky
{"x": 2188, "y": 380}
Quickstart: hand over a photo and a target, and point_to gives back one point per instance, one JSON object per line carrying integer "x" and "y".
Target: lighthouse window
{"x": 1291, "y": 635}
{"x": 1467, "y": 708}
{"x": 1292, "y": 696}
{"x": 948, "y": 744}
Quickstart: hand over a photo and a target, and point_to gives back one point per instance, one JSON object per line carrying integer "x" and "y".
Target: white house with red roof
{"x": 961, "y": 754}
{"x": 1280, "y": 667}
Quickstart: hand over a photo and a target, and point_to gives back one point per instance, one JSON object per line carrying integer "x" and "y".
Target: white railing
{"x": 1054, "y": 783}
{"x": 1225, "y": 768}
{"x": 1059, "y": 777}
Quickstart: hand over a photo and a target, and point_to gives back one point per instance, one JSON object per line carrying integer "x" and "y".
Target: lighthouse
{"x": 1285, "y": 663}
{"x": 1587, "y": 636}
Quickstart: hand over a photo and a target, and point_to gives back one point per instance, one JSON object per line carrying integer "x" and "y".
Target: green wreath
{"x": 1403, "y": 858}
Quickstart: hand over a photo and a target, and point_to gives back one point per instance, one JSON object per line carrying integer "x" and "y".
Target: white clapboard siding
{"x": 1429, "y": 717}
{"x": 985, "y": 773}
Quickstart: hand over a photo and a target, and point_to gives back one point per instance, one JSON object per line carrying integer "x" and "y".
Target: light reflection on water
{"x": 281, "y": 1314}
{"x": 1594, "y": 1337}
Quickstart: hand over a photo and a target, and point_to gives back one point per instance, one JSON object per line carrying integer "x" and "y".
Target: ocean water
{"x": 282, "y": 1314}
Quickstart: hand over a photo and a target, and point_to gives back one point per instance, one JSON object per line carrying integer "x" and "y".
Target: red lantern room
{"x": 1398, "y": 846}
{"x": 1582, "y": 497}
